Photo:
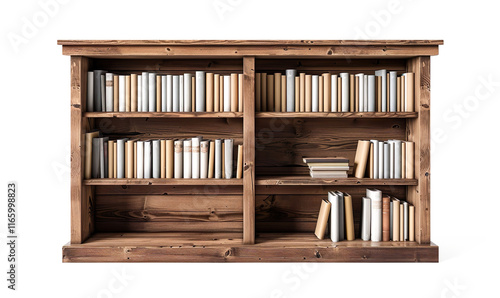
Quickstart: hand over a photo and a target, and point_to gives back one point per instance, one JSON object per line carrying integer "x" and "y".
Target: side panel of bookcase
{"x": 418, "y": 131}
{"x": 81, "y": 196}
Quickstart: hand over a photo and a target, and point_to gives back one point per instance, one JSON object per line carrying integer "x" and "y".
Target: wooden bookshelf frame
{"x": 241, "y": 242}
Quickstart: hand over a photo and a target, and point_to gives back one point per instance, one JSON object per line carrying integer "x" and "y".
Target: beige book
{"x": 283, "y": 93}
{"x": 239, "y": 165}
{"x": 135, "y": 159}
{"x": 209, "y": 84}
{"x": 403, "y": 94}
{"x": 401, "y": 222}
{"x": 111, "y": 159}
{"x": 115, "y": 165}
{"x": 339, "y": 94}
{"x": 88, "y": 153}
{"x": 158, "y": 93}
{"x": 221, "y": 93}
{"x": 193, "y": 94}
{"x": 211, "y": 159}
{"x": 349, "y": 217}
{"x": 216, "y": 92}
{"x": 321, "y": 224}
{"x": 277, "y": 92}
{"x": 320, "y": 94}
{"x": 370, "y": 164}
{"x": 297, "y": 94}
{"x": 351, "y": 93}
{"x": 410, "y": 160}
{"x": 263, "y": 87}
{"x": 163, "y": 158}
{"x": 378, "y": 93}
{"x": 127, "y": 93}
{"x": 308, "y": 100}
{"x": 388, "y": 90}
{"x": 240, "y": 92}
{"x": 126, "y": 159}
{"x": 234, "y": 92}
{"x": 257, "y": 91}
{"x": 129, "y": 155}
{"x": 403, "y": 160}
{"x": 398, "y": 94}
{"x": 302, "y": 90}
{"x": 411, "y": 225}
{"x": 270, "y": 93}
{"x": 361, "y": 158}
{"x": 395, "y": 219}
{"x": 223, "y": 159}
{"x": 116, "y": 86}
{"x": 133, "y": 92}
{"x": 327, "y": 92}
{"x": 356, "y": 94}
{"x": 169, "y": 162}
{"x": 410, "y": 93}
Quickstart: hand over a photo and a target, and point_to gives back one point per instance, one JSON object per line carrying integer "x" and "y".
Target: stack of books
{"x": 327, "y": 167}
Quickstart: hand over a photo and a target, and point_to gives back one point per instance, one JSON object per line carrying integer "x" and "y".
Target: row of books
{"x": 383, "y": 91}
{"x": 189, "y": 158}
{"x": 392, "y": 159}
{"x": 152, "y": 92}
{"x": 383, "y": 218}
{"x": 327, "y": 167}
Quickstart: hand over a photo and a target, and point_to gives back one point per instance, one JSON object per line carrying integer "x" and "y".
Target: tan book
{"x": 263, "y": 98}
{"x": 158, "y": 93}
{"x": 277, "y": 92}
{"x": 403, "y": 160}
{"x": 283, "y": 93}
{"x": 378, "y": 93}
{"x": 297, "y": 94}
{"x": 111, "y": 159}
{"x": 398, "y": 94}
{"x": 217, "y": 93}
{"x": 321, "y": 224}
{"x": 351, "y": 93}
{"x": 270, "y": 93}
{"x": 211, "y": 159}
{"x": 386, "y": 218}
{"x": 302, "y": 90}
{"x": 133, "y": 92}
{"x": 339, "y": 94}
{"x": 193, "y": 94}
{"x": 361, "y": 158}
{"x": 116, "y": 92}
{"x": 115, "y": 164}
{"x": 395, "y": 219}
{"x": 327, "y": 92}
{"x": 169, "y": 162}
{"x": 320, "y": 94}
{"x": 135, "y": 159}
{"x": 234, "y": 92}
{"x": 209, "y": 92}
{"x": 403, "y": 94}
{"x": 356, "y": 94}
{"x": 88, "y": 153}
{"x": 239, "y": 165}
{"x": 240, "y": 92}
{"x": 371, "y": 160}
{"x": 221, "y": 93}
{"x": 410, "y": 93}
{"x": 257, "y": 91}
{"x": 223, "y": 159}
{"x": 163, "y": 158}
{"x": 349, "y": 217}
{"x": 411, "y": 225}
{"x": 128, "y": 92}
{"x": 410, "y": 160}
{"x": 401, "y": 222}
{"x": 308, "y": 97}
{"x": 129, "y": 155}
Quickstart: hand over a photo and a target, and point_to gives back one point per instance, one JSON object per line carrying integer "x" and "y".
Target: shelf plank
{"x": 163, "y": 114}
{"x": 306, "y": 180}
{"x": 367, "y": 115}
{"x": 107, "y": 181}
{"x": 229, "y": 247}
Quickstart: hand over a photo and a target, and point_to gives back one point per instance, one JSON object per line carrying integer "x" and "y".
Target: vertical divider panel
{"x": 418, "y": 131}
{"x": 248, "y": 150}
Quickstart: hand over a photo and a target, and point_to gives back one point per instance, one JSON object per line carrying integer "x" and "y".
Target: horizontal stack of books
{"x": 194, "y": 158}
{"x": 327, "y": 167}
{"x": 382, "y": 91}
{"x": 152, "y": 92}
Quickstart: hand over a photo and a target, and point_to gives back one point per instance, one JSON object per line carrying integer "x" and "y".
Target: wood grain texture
{"x": 163, "y": 115}
{"x": 366, "y": 115}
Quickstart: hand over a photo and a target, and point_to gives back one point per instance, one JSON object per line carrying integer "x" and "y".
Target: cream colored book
{"x": 257, "y": 91}
{"x": 211, "y": 159}
{"x": 169, "y": 161}
{"x": 322, "y": 223}
{"x": 395, "y": 219}
{"x": 239, "y": 165}
{"x": 398, "y": 94}
{"x": 223, "y": 167}
{"x": 308, "y": 94}
{"x": 111, "y": 159}
{"x": 327, "y": 95}
{"x": 129, "y": 159}
{"x": 240, "y": 92}
{"x": 128, "y": 91}
{"x": 403, "y": 160}
{"x": 410, "y": 160}
{"x": 403, "y": 94}
{"x": 320, "y": 94}
{"x": 133, "y": 92}
{"x": 234, "y": 92}
{"x": 297, "y": 94}
{"x": 339, "y": 94}
{"x": 221, "y": 93}
{"x": 135, "y": 160}
{"x": 116, "y": 91}
{"x": 410, "y": 92}
{"x": 371, "y": 166}
{"x": 216, "y": 93}
{"x": 158, "y": 93}
{"x": 361, "y": 158}
{"x": 263, "y": 90}
{"x": 351, "y": 93}
{"x": 270, "y": 93}
{"x": 283, "y": 93}
{"x": 302, "y": 90}
{"x": 277, "y": 92}
{"x": 401, "y": 222}
{"x": 411, "y": 215}
{"x": 88, "y": 153}
{"x": 210, "y": 91}
{"x": 349, "y": 217}
{"x": 115, "y": 164}
{"x": 163, "y": 158}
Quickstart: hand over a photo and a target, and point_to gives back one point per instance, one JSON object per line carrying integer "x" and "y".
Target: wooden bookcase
{"x": 270, "y": 214}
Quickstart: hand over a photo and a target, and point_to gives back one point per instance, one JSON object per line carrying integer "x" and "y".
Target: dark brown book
{"x": 386, "y": 219}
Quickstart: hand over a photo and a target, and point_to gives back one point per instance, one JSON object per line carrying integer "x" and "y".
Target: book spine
{"x": 345, "y": 91}
{"x": 334, "y": 216}
{"x": 397, "y": 159}
{"x": 381, "y": 160}
{"x": 193, "y": 94}
{"x": 302, "y": 90}
{"x": 218, "y": 159}
{"x": 375, "y": 196}
{"x": 227, "y": 94}
{"x": 140, "y": 160}
{"x": 228, "y": 158}
{"x": 349, "y": 218}
{"x": 151, "y": 92}
{"x": 211, "y": 160}
{"x": 98, "y": 99}
{"x": 175, "y": 93}
{"x": 181, "y": 94}
{"x": 375, "y": 159}
{"x": 406, "y": 227}
{"x": 322, "y": 222}
{"x": 308, "y": 86}
{"x": 393, "y": 75}
{"x": 120, "y": 158}
{"x": 204, "y": 159}
{"x": 200, "y": 91}
{"x": 361, "y": 158}
{"x": 239, "y": 164}
{"x": 139, "y": 93}
{"x": 290, "y": 89}
{"x": 95, "y": 158}
{"x": 217, "y": 93}
{"x": 371, "y": 94}
{"x": 156, "y": 158}
{"x": 178, "y": 164}
{"x": 315, "y": 93}
{"x": 365, "y": 219}
{"x": 169, "y": 162}
{"x": 321, "y": 100}
{"x": 133, "y": 92}
{"x": 145, "y": 91}
{"x": 187, "y": 159}
{"x": 410, "y": 160}
{"x": 333, "y": 93}
{"x": 111, "y": 159}
{"x": 283, "y": 93}
{"x": 340, "y": 198}
{"x": 109, "y": 92}
{"x": 395, "y": 220}
{"x": 210, "y": 92}
{"x": 411, "y": 223}
{"x": 391, "y": 217}
{"x": 121, "y": 94}
{"x": 352, "y": 83}
{"x": 164, "y": 93}
{"x": 234, "y": 92}
{"x": 195, "y": 158}
{"x": 361, "y": 92}
{"x": 277, "y": 92}
{"x": 263, "y": 94}
{"x": 169, "y": 93}
{"x": 90, "y": 91}
{"x": 147, "y": 160}
{"x": 410, "y": 92}
{"x": 128, "y": 88}
{"x": 387, "y": 152}
{"x": 386, "y": 204}
{"x": 158, "y": 94}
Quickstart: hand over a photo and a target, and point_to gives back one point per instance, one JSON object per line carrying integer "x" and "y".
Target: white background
{"x": 35, "y": 102}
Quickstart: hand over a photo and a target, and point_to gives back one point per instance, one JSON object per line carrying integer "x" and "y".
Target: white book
{"x": 383, "y": 73}
{"x": 371, "y": 93}
{"x": 218, "y": 159}
{"x": 334, "y": 93}
{"x": 387, "y": 152}
{"x": 152, "y": 92}
{"x": 164, "y": 93}
{"x": 120, "y": 158}
{"x": 140, "y": 159}
{"x": 145, "y": 92}
{"x": 187, "y": 92}
{"x": 178, "y": 165}
{"x": 406, "y": 230}
{"x": 195, "y": 157}
{"x": 228, "y": 158}
{"x": 204, "y": 146}
{"x": 375, "y": 158}
{"x": 365, "y": 95}
{"x": 121, "y": 93}
{"x": 403, "y": 100}
{"x": 200, "y": 91}
{"x": 227, "y": 94}
{"x": 375, "y": 196}
{"x": 361, "y": 92}
{"x": 393, "y": 96}
{"x": 181, "y": 93}
{"x": 175, "y": 93}
{"x": 90, "y": 91}
{"x": 365, "y": 219}
{"x": 345, "y": 91}
{"x": 397, "y": 159}
{"x": 156, "y": 158}
{"x": 334, "y": 216}
{"x": 147, "y": 159}
{"x": 109, "y": 92}
{"x": 315, "y": 93}
{"x": 290, "y": 89}
{"x": 139, "y": 93}
{"x": 381, "y": 164}
{"x": 187, "y": 158}
{"x": 169, "y": 94}
{"x": 391, "y": 159}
